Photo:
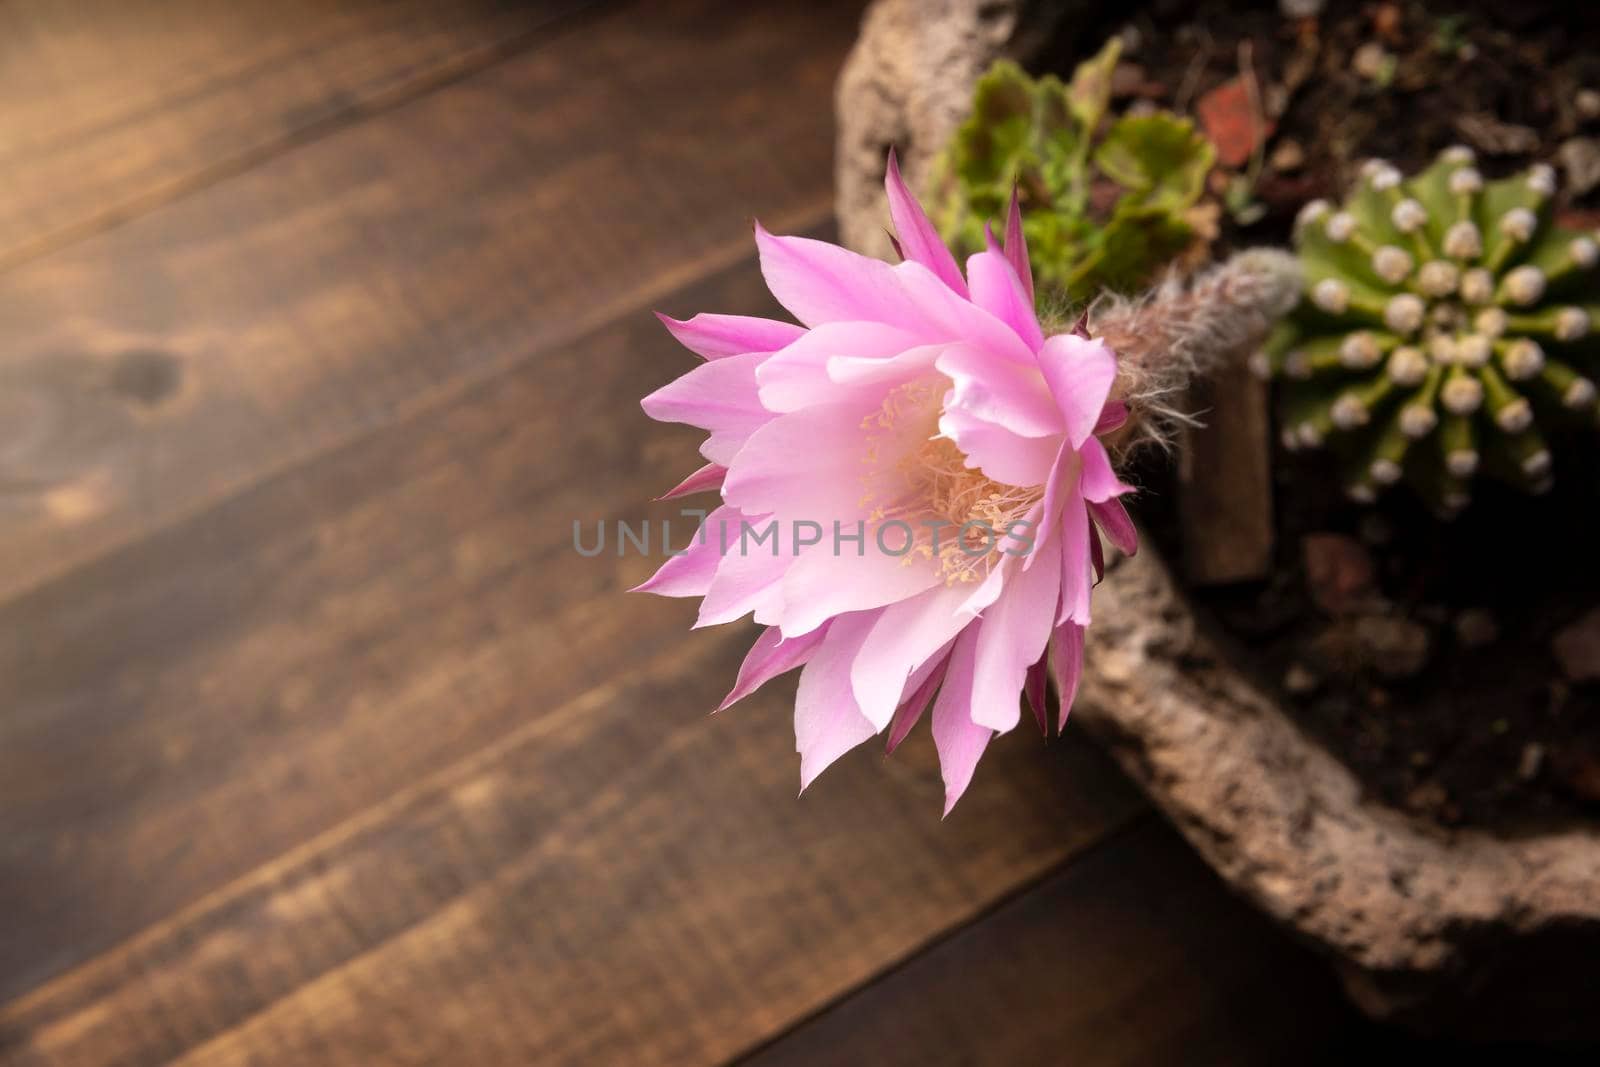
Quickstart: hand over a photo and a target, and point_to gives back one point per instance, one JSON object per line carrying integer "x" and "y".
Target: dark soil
{"x": 1481, "y": 726}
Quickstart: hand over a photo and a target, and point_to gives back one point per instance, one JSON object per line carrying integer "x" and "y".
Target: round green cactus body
{"x": 1445, "y": 321}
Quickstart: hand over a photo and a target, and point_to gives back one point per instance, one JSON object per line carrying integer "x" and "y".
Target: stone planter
{"x": 1459, "y": 932}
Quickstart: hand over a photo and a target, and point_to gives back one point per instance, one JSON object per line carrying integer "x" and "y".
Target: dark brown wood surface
{"x": 318, "y": 742}
{"x": 114, "y": 106}
{"x": 173, "y": 360}
{"x": 1131, "y": 954}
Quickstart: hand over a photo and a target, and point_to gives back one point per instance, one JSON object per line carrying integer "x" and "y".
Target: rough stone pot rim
{"x": 1428, "y": 925}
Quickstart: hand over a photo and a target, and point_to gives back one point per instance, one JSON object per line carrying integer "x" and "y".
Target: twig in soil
{"x": 1258, "y": 120}
{"x": 1191, "y": 76}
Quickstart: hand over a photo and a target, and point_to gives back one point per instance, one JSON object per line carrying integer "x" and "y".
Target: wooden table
{"x": 319, "y": 324}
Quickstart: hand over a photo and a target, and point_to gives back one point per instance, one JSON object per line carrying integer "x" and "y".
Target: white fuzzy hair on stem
{"x": 1183, "y": 328}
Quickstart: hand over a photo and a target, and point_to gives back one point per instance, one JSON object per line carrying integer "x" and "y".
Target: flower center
{"x": 958, "y": 516}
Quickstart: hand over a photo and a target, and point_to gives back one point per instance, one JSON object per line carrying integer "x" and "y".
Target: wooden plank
{"x": 109, "y": 107}
{"x": 1133, "y": 954}
{"x": 152, "y": 369}
{"x": 623, "y": 881}
{"x": 183, "y": 711}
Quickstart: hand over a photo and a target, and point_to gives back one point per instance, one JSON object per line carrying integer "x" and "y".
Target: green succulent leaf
{"x": 1136, "y": 236}
{"x": 1090, "y": 92}
{"x": 996, "y": 143}
{"x": 1161, "y": 157}
{"x": 1038, "y": 136}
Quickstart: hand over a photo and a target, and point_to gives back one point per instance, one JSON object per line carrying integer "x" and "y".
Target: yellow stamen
{"x": 931, "y": 484}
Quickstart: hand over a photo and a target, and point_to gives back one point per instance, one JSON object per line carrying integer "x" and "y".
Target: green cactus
{"x": 1446, "y": 322}
{"x": 1044, "y": 138}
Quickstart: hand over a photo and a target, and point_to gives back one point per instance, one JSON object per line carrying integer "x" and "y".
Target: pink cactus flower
{"x": 925, "y": 467}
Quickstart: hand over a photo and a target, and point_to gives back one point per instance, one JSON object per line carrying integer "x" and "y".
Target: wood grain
{"x": 1133, "y": 954}
{"x": 622, "y": 881}
{"x": 153, "y": 369}
{"x": 111, "y": 107}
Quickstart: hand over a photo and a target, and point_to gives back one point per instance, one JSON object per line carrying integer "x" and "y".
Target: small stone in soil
{"x": 1428, "y": 797}
{"x": 1532, "y": 761}
{"x": 1287, "y": 155}
{"x": 1339, "y": 572}
{"x": 1587, "y": 101}
{"x": 1580, "y": 158}
{"x": 1577, "y": 648}
{"x": 1396, "y": 648}
{"x": 1373, "y": 63}
{"x": 1300, "y": 9}
{"x": 1275, "y": 100}
{"x": 1299, "y": 680}
{"x": 1476, "y": 628}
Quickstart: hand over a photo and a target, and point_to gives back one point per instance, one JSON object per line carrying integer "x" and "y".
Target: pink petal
{"x": 716, "y": 336}
{"x": 1112, "y": 417}
{"x": 1066, "y": 655}
{"x": 691, "y": 573}
{"x": 797, "y": 376}
{"x": 997, "y": 289}
{"x": 1062, "y": 482}
{"x": 989, "y": 589}
{"x": 769, "y": 657}
{"x": 908, "y": 634}
{"x": 946, "y": 317}
{"x": 749, "y": 576}
{"x": 1077, "y": 563}
{"x": 1017, "y": 246}
{"x": 821, "y": 583}
{"x": 997, "y": 451}
{"x": 1080, "y": 373}
{"x": 921, "y": 686}
{"x": 856, "y": 372}
{"x": 1003, "y": 393}
{"x": 960, "y": 741}
{"x": 719, "y": 396}
{"x": 706, "y": 478}
{"x": 1035, "y": 690}
{"x": 1012, "y": 637}
{"x": 819, "y": 282}
{"x": 827, "y": 723}
{"x": 919, "y": 241}
{"x": 1099, "y": 481}
{"x": 1112, "y": 517}
{"x": 806, "y": 464}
